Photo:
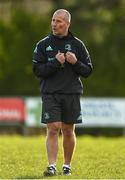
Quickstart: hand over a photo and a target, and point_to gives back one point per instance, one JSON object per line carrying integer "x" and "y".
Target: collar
{"x": 69, "y": 36}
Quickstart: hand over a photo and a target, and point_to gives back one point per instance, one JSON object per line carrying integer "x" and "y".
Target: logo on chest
{"x": 68, "y": 47}
{"x": 49, "y": 48}
{"x": 51, "y": 58}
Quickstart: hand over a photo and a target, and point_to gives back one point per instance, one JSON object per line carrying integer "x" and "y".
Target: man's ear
{"x": 68, "y": 23}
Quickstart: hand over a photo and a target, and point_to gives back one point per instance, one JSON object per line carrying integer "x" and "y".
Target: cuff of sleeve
{"x": 57, "y": 63}
{"x": 77, "y": 64}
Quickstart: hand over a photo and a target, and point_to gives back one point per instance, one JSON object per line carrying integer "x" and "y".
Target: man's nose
{"x": 54, "y": 24}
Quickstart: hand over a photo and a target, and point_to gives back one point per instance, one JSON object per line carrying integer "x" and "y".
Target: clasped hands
{"x": 69, "y": 57}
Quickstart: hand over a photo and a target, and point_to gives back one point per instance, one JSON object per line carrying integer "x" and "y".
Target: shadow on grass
{"x": 30, "y": 177}
{"x": 39, "y": 177}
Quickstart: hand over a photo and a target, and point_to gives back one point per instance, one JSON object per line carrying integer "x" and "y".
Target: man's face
{"x": 59, "y": 25}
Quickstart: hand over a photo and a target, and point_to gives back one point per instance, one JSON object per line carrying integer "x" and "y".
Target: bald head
{"x": 64, "y": 13}
{"x": 60, "y": 22}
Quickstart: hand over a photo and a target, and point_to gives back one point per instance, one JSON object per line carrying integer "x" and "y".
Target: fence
{"x": 96, "y": 112}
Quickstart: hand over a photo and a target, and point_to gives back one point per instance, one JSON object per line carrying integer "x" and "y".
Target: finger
{"x": 68, "y": 53}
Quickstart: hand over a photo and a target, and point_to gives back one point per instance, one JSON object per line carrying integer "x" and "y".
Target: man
{"x": 59, "y": 60}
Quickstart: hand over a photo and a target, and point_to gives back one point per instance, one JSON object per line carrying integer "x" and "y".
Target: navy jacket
{"x": 55, "y": 78}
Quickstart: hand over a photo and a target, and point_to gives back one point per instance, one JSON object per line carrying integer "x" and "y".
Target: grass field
{"x": 25, "y": 158}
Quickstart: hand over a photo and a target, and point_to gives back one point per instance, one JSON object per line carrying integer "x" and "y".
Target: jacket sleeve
{"x": 83, "y": 66}
{"x": 41, "y": 67}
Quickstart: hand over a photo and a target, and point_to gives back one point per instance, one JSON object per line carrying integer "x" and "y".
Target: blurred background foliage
{"x": 99, "y": 23}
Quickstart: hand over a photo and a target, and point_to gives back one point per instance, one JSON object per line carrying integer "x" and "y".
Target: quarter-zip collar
{"x": 69, "y": 36}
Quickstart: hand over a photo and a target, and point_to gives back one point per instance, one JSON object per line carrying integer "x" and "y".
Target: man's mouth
{"x": 54, "y": 29}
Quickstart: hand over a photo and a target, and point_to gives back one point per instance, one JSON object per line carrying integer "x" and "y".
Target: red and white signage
{"x": 12, "y": 109}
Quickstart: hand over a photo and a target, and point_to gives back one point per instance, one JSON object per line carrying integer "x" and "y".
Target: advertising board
{"x": 12, "y": 109}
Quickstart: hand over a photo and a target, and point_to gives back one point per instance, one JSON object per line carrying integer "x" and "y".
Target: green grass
{"x": 25, "y": 158}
